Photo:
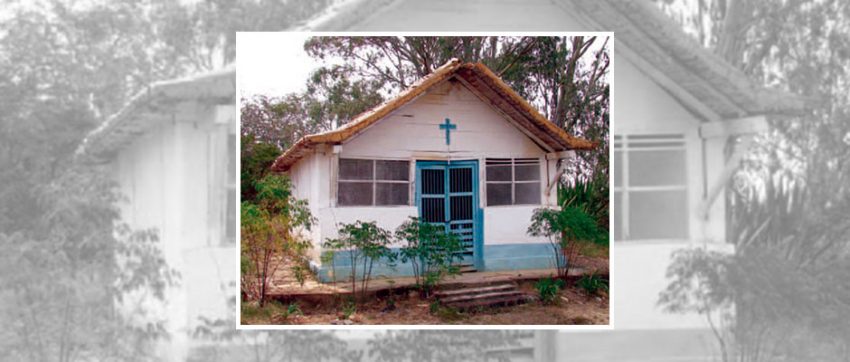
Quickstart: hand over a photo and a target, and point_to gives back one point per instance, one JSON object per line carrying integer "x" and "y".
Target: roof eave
{"x": 217, "y": 87}
{"x": 556, "y": 138}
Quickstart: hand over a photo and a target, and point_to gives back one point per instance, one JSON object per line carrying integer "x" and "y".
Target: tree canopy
{"x": 787, "y": 203}
{"x": 566, "y": 78}
{"x": 68, "y": 261}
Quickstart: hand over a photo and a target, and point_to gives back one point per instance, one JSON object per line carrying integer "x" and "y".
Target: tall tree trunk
{"x": 737, "y": 20}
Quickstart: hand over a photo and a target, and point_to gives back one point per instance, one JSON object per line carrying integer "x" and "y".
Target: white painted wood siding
{"x": 166, "y": 177}
{"x": 413, "y": 131}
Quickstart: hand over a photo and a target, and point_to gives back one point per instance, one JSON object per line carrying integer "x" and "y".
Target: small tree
{"x": 256, "y": 161}
{"x": 567, "y": 230}
{"x": 430, "y": 250}
{"x": 269, "y": 234}
{"x": 365, "y": 243}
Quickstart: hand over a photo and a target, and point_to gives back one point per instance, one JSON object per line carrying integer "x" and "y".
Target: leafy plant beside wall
{"x": 270, "y": 227}
{"x": 589, "y": 196}
{"x": 567, "y": 230}
{"x": 430, "y": 251}
{"x": 364, "y": 243}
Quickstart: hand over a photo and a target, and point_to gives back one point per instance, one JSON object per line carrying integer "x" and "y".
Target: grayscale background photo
{"x": 729, "y": 188}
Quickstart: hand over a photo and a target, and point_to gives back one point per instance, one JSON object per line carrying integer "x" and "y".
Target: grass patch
{"x": 273, "y": 312}
{"x": 593, "y": 284}
{"x": 445, "y": 313}
{"x": 449, "y": 314}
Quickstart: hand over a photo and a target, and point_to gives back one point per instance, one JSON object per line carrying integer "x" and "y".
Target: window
{"x": 650, "y": 187}
{"x": 223, "y": 187}
{"x": 513, "y": 181}
{"x": 230, "y": 187}
{"x": 373, "y": 182}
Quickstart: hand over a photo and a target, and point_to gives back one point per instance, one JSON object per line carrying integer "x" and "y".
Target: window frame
{"x": 231, "y": 186}
{"x": 523, "y": 161}
{"x": 625, "y": 144}
{"x": 374, "y": 181}
{"x": 223, "y": 183}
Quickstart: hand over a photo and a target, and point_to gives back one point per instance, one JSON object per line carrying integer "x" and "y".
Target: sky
{"x": 275, "y": 64}
{"x": 272, "y": 64}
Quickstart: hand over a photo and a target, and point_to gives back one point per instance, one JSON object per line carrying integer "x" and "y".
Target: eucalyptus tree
{"x": 69, "y": 264}
{"x": 789, "y": 199}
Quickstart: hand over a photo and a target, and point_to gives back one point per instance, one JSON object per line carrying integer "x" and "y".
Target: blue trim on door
{"x": 477, "y": 212}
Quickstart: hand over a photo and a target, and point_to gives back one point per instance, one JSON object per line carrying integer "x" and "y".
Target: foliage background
{"x": 788, "y": 202}
{"x": 66, "y": 65}
{"x": 566, "y": 78}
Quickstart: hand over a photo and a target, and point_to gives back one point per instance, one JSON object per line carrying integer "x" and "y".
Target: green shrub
{"x": 293, "y": 309}
{"x": 348, "y": 309}
{"x": 365, "y": 243}
{"x": 591, "y": 196}
{"x": 430, "y": 250}
{"x": 567, "y": 230}
{"x": 270, "y": 234}
{"x": 434, "y": 306}
{"x": 592, "y": 284}
{"x": 548, "y": 288}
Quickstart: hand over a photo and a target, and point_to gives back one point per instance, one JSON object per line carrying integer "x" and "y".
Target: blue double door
{"x": 447, "y": 194}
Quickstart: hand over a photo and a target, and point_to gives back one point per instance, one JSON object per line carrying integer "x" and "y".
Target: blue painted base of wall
{"x": 340, "y": 269}
{"x": 500, "y": 257}
{"x": 518, "y": 257}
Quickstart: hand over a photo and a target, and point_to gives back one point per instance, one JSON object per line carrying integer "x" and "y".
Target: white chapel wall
{"x": 412, "y": 132}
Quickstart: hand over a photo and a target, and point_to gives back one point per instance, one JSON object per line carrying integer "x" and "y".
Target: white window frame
{"x": 231, "y": 184}
{"x": 622, "y": 143}
{"x": 374, "y": 181}
{"x": 220, "y": 184}
{"x": 526, "y": 161}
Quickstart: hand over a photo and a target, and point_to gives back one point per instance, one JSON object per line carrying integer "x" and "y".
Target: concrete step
{"x": 492, "y": 302}
{"x": 479, "y": 296}
{"x": 466, "y": 268}
{"x": 474, "y": 290}
{"x": 482, "y": 295}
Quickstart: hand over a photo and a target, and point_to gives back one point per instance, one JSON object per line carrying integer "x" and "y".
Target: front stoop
{"x": 475, "y": 296}
{"x": 467, "y": 268}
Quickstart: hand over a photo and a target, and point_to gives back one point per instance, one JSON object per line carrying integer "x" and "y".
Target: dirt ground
{"x": 572, "y": 307}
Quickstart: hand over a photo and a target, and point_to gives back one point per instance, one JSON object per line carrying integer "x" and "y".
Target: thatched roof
{"x": 481, "y": 81}
{"x": 166, "y": 101}
{"x": 702, "y": 81}
{"x": 641, "y": 28}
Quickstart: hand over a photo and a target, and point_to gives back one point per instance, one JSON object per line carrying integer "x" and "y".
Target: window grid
{"x": 513, "y": 163}
{"x": 642, "y": 143}
{"x": 374, "y": 182}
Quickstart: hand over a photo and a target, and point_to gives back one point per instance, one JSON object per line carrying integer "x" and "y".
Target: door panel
{"x": 447, "y": 194}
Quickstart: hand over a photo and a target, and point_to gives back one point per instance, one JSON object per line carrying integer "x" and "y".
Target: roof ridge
{"x": 553, "y": 136}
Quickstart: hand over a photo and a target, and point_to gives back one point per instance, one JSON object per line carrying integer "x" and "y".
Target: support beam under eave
{"x": 734, "y": 127}
{"x": 554, "y": 157}
{"x": 719, "y": 169}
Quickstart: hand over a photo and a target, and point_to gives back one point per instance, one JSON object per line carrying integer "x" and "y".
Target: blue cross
{"x": 448, "y": 126}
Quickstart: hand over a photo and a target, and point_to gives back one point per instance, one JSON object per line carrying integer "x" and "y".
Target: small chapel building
{"x": 458, "y": 148}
